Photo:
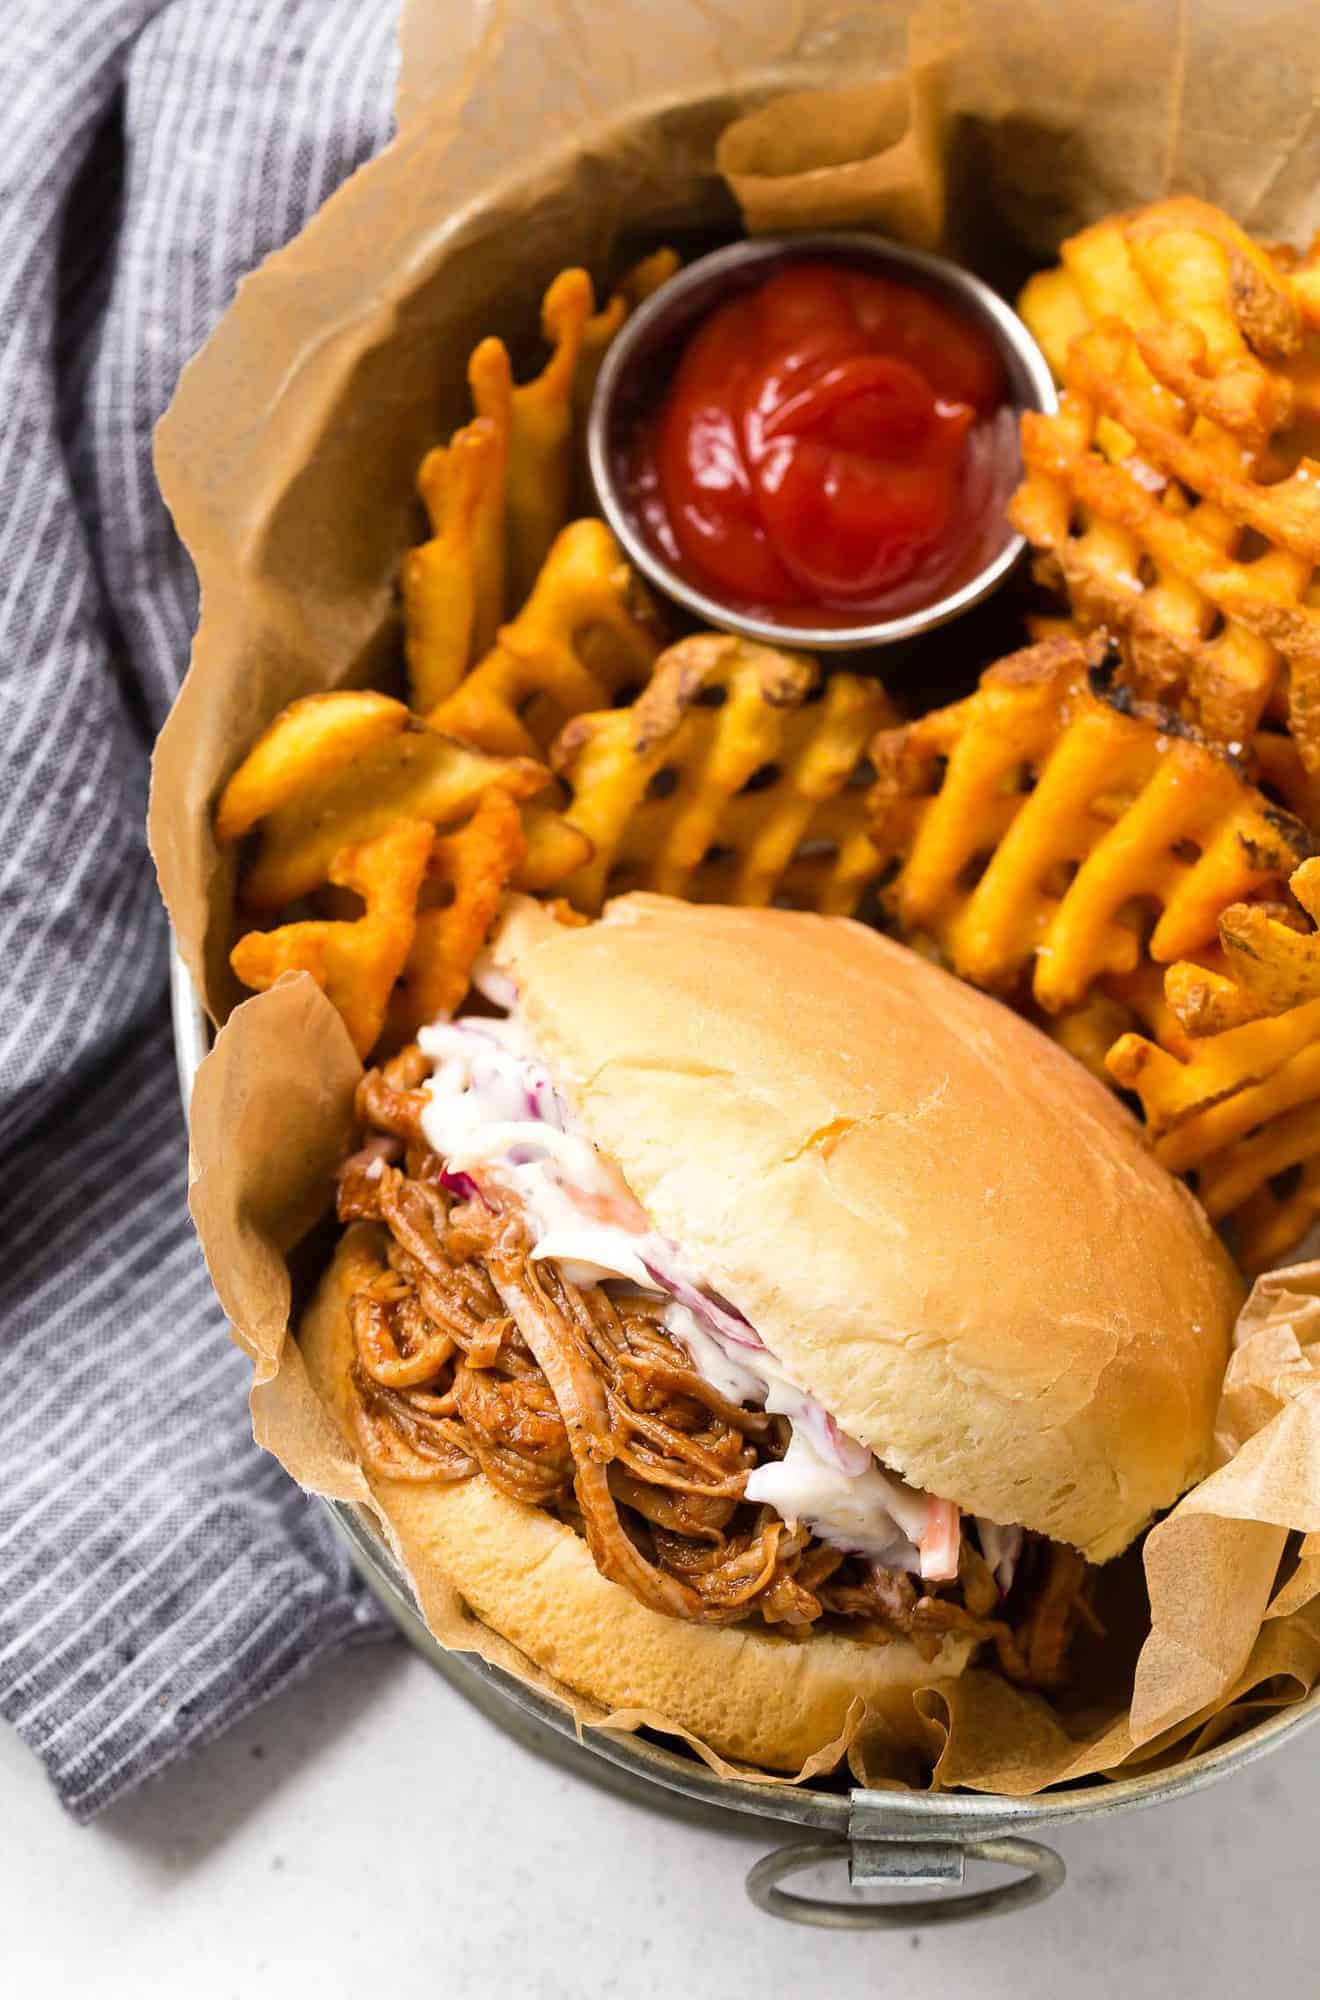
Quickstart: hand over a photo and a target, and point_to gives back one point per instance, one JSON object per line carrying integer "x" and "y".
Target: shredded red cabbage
{"x": 726, "y": 1320}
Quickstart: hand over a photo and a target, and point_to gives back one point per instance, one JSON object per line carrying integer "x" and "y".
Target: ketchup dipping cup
{"x": 794, "y": 511}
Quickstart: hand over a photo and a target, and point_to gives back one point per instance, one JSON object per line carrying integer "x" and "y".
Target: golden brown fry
{"x": 725, "y": 782}
{"x": 1205, "y": 1001}
{"x": 1277, "y": 766}
{"x": 1230, "y": 1092}
{"x": 1272, "y": 1220}
{"x": 554, "y": 850}
{"x": 417, "y": 774}
{"x": 1039, "y": 826}
{"x": 586, "y": 633}
{"x": 1155, "y": 493}
{"x": 505, "y": 476}
{"x": 536, "y": 417}
{"x": 1222, "y": 1085}
{"x": 1166, "y": 577}
{"x": 453, "y": 585}
{"x": 1053, "y": 309}
{"x": 354, "y": 963}
{"x": 949, "y": 787}
{"x": 308, "y": 741}
{"x": 1238, "y": 1107}
{"x": 1227, "y": 1180}
{"x": 1112, "y": 1008}
{"x": 1276, "y": 965}
{"x": 467, "y": 872}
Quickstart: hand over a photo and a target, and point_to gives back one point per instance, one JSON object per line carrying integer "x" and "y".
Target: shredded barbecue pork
{"x": 469, "y": 1357}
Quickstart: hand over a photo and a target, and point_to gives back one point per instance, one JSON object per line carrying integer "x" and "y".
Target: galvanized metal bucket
{"x": 891, "y": 1841}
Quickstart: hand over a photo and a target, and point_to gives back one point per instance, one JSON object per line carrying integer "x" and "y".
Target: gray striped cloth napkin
{"x": 158, "y": 1575}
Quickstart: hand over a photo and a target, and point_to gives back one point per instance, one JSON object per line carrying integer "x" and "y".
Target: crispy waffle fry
{"x": 1272, "y": 759}
{"x": 1089, "y": 1032}
{"x": 1203, "y": 1000}
{"x": 1229, "y": 1097}
{"x": 355, "y": 963}
{"x": 537, "y": 419}
{"x": 1155, "y": 490}
{"x": 554, "y": 850}
{"x": 1279, "y": 770}
{"x": 1268, "y": 1184}
{"x": 634, "y": 287}
{"x": 453, "y": 585}
{"x": 1272, "y": 1221}
{"x": 467, "y": 871}
{"x": 1040, "y": 824}
{"x": 1276, "y": 965}
{"x": 1220, "y": 1085}
{"x": 415, "y": 773}
{"x": 1180, "y": 258}
{"x": 308, "y": 741}
{"x": 496, "y": 495}
{"x": 732, "y": 778}
{"x": 1230, "y": 1090}
{"x": 1053, "y": 308}
{"x": 506, "y": 476}
{"x": 1112, "y": 1008}
{"x": 585, "y": 635}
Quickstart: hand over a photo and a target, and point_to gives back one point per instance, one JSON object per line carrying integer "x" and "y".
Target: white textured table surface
{"x": 370, "y": 1834}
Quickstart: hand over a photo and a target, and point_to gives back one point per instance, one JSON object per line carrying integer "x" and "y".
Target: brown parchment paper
{"x": 536, "y": 136}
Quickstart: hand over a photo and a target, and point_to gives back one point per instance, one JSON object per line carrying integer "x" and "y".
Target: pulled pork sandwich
{"x": 750, "y": 1319}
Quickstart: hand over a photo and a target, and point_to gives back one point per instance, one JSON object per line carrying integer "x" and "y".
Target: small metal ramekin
{"x": 646, "y": 347}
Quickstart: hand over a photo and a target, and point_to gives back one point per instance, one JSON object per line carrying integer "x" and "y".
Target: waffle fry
{"x": 1284, "y": 1162}
{"x": 467, "y": 871}
{"x": 1203, "y": 1000}
{"x": 1219, "y": 1086}
{"x": 497, "y": 494}
{"x": 1178, "y": 259}
{"x": 1229, "y": 1086}
{"x": 537, "y": 419}
{"x": 453, "y": 585}
{"x": 1278, "y": 769}
{"x": 1271, "y": 759}
{"x": 1235, "y": 1106}
{"x": 1052, "y": 306}
{"x": 308, "y": 741}
{"x": 336, "y": 770}
{"x": 586, "y": 633}
{"x": 1243, "y": 1182}
{"x": 1036, "y": 825}
{"x": 1276, "y": 965}
{"x": 554, "y": 850}
{"x": 1154, "y": 492}
{"x": 732, "y": 778}
{"x": 355, "y": 963}
{"x": 1112, "y": 1008}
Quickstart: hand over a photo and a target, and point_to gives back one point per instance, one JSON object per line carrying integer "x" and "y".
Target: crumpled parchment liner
{"x": 288, "y": 459}
{"x": 272, "y": 1111}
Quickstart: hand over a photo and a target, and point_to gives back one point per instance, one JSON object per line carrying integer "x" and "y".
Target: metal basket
{"x": 888, "y": 1840}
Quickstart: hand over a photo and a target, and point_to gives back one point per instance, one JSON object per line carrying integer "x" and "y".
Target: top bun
{"x": 943, "y": 1227}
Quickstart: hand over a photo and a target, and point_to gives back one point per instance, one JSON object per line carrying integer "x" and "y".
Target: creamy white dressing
{"x": 495, "y": 1118}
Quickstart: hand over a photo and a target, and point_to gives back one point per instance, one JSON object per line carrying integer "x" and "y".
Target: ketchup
{"x": 832, "y": 441}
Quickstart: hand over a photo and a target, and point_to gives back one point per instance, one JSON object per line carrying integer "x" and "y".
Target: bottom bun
{"x": 746, "y": 1692}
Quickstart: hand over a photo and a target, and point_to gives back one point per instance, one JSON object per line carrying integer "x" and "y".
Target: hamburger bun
{"x": 941, "y": 1225}
{"x": 745, "y": 1691}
